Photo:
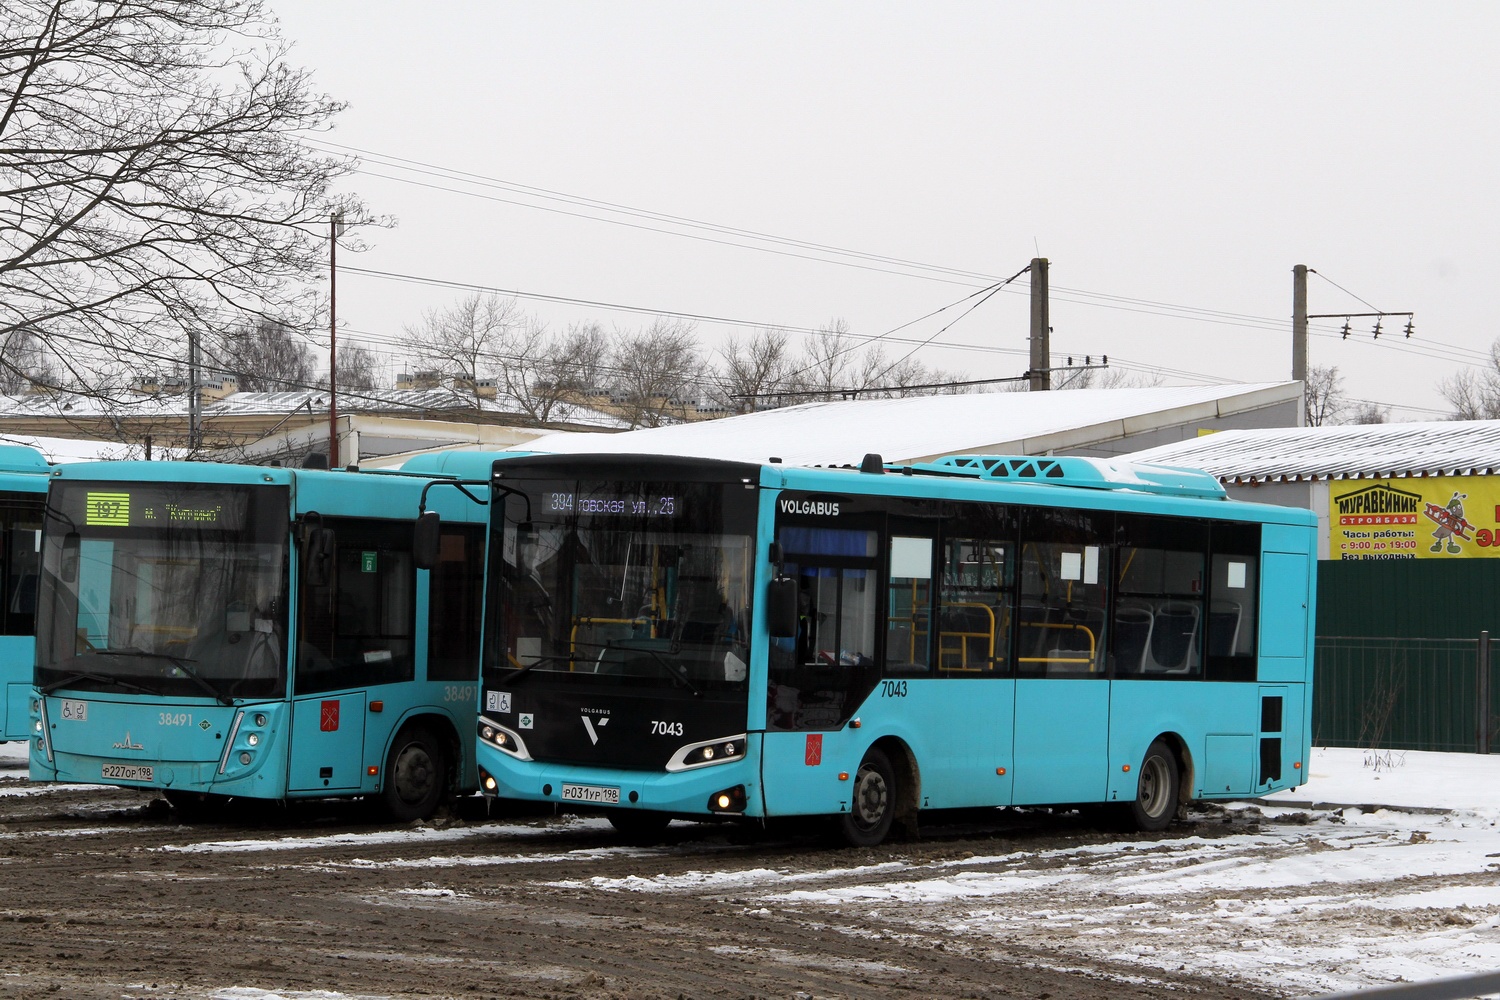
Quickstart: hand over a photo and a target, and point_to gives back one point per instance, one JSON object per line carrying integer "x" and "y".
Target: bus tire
{"x": 872, "y": 807}
{"x": 639, "y": 826}
{"x": 196, "y": 807}
{"x": 1155, "y": 803}
{"x": 416, "y": 775}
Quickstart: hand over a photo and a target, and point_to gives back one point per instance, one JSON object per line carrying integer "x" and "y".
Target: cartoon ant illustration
{"x": 1456, "y": 508}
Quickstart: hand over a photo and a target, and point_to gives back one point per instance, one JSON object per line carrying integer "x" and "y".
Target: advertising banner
{"x": 1437, "y": 517}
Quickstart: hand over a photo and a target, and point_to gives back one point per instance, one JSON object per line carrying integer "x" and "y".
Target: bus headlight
{"x": 491, "y": 733}
{"x": 720, "y": 751}
{"x": 253, "y": 739}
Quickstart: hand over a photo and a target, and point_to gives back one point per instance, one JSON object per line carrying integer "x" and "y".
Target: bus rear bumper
{"x": 730, "y": 789}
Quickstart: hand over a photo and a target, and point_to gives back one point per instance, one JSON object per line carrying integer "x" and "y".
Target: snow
{"x": 904, "y": 430}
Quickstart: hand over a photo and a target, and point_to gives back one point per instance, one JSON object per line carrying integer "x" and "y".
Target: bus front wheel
{"x": 196, "y": 807}
{"x": 1156, "y": 789}
{"x": 639, "y": 826}
{"x": 873, "y": 806}
{"x": 416, "y": 775}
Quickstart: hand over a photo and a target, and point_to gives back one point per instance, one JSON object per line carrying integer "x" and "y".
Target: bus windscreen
{"x": 166, "y": 589}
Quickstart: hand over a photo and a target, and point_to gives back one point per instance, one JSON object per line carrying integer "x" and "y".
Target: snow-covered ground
{"x": 1380, "y": 869}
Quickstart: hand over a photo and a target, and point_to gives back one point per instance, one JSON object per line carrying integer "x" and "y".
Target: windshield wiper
{"x": 88, "y": 675}
{"x": 178, "y": 662}
{"x": 535, "y": 662}
{"x": 672, "y": 669}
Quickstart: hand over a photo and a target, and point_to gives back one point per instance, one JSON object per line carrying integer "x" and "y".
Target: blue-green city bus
{"x": 219, "y": 631}
{"x": 672, "y": 637}
{"x": 23, "y": 492}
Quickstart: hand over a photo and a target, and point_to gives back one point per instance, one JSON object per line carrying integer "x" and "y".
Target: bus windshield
{"x": 164, "y": 589}
{"x": 641, "y": 585}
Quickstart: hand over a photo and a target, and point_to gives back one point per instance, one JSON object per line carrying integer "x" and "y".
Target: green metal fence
{"x": 1408, "y": 694}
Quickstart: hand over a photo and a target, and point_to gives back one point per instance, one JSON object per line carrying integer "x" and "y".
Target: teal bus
{"x": 23, "y": 492}
{"x": 673, "y": 637}
{"x": 224, "y": 631}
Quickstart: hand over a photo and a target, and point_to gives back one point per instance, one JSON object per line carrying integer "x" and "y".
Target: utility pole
{"x": 1041, "y": 376}
{"x": 335, "y": 228}
{"x": 1299, "y": 324}
{"x": 195, "y": 416}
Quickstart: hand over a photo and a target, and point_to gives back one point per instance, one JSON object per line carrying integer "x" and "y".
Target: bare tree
{"x": 1323, "y": 397}
{"x": 152, "y": 178}
{"x": 534, "y": 372}
{"x": 1367, "y": 413}
{"x": 753, "y": 370}
{"x": 654, "y": 370}
{"x": 827, "y": 368}
{"x": 24, "y": 362}
{"x": 580, "y": 358}
{"x": 1105, "y": 378}
{"x": 467, "y": 340}
{"x": 1475, "y": 394}
{"x": 358, "y": 369}
{"x": 265, "y": 355}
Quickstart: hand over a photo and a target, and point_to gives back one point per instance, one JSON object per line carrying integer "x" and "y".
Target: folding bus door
{"x": 1062, "y": 685}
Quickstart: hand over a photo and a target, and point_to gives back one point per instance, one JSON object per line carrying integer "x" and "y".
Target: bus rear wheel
{"x": 1155, "y": 802}
{"x": 416, "y": 775}
{"x": 873, "y": 806}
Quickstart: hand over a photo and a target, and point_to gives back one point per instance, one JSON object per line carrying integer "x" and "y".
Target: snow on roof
{"x": 60, "y": 450}
{"x": 1370, "y": 451}
{"x": 924, "y": 427}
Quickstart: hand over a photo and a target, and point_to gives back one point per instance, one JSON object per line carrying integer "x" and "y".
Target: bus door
{"x": 355, "y": 656}
{"x": 946, "y": 654}
{"x": 820, "y": 679}
{"x": 1062, "y": 684}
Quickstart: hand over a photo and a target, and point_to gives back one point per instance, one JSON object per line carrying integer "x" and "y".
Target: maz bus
{"x": 23, "y": 491}
{"x": 218, "y": 631}
{"x": 670, "y": 637}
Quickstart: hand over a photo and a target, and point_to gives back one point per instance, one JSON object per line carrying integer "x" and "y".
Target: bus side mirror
{"x": 71, "y": 542}
{"x": 318, "y": 556}
{"x": 781, "y": 607}
{"x": 426, "y": 540}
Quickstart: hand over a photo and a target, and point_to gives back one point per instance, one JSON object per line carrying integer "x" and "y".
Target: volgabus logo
{"x": 821, "y": 508}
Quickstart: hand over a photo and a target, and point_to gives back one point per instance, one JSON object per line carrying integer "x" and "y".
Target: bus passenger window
{"x": 974, "y": 608}
{"x": 1233, "y": 602}
{"x": 909, "y": 606}
{"x": 1159, "y": 610}
{"x": 1064, "y": 588}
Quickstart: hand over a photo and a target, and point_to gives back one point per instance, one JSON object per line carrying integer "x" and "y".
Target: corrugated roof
{"x": 1367, "y": 451}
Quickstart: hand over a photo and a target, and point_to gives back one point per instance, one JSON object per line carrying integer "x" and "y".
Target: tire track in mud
{"x": 105, "y": 895}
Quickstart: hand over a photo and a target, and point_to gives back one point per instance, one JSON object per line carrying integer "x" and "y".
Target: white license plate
{"x": 128, "y": 772}
{"x": 591, "y": 793}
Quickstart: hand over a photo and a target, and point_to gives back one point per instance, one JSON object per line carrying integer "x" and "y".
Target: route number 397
{"x": 893, "y": 689}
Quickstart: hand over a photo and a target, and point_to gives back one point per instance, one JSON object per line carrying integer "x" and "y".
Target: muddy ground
{"x": 103, "y": 893}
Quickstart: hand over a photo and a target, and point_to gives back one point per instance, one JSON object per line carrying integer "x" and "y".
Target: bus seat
{"x": 1174, "y": 637}
{"x": 1224, "y": 627}
{"x": 1133, "y": 626}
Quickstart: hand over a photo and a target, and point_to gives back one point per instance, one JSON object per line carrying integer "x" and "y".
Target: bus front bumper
{"x": 725, "y": 790}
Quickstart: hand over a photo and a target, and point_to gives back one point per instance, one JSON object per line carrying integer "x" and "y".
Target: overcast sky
{"x": 1166, "y": 158}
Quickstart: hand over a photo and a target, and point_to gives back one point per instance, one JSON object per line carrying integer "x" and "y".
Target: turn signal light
{"x": 843, "y": 775}
{"x": 1297, "y": 766}
{"x": 1125, "y": 768}
{"x": 1000, "y": 771}
{"x": 372, "y": 770}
